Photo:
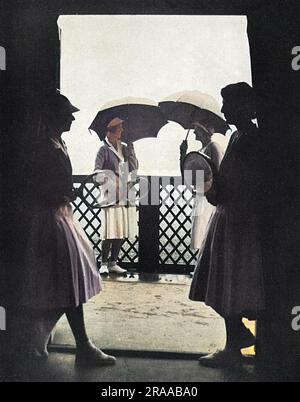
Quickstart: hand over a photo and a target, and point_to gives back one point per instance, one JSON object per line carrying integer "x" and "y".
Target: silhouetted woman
{"x": 59, "y": 272}
{"x": 228, "y": 276}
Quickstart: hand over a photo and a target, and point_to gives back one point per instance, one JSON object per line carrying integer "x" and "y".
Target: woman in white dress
{"x": 202, "y": 209}
{"x": 116, "y": 165}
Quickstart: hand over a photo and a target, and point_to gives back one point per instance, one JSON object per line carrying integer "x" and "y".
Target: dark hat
{"x": 241, "y": 91}
{"x": 58, "y": 103}
{"x": 65, "y": 103}
{"x": 242, "y": 95}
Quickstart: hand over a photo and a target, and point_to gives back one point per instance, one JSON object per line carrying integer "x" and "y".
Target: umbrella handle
{"x": 187, "y": 134}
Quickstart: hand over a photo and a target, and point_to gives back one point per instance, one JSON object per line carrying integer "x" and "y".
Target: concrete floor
{"x": 155, "y": 316}
{"x": 60, "y": 368}
{"x": 154, "y": 330}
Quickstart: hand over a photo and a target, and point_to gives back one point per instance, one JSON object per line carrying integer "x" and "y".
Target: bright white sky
{"x": 110, "y": 57}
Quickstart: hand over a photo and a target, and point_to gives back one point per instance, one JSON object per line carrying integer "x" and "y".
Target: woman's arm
{"x": 215, "y": 152}
{"x": 130, "y": 156}
{"x": 100, "y": 159}
{"x": 52, "y": 179}
{"x": 100, "y": 178}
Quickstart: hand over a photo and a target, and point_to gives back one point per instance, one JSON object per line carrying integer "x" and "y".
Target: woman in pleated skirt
{"x": 228, "y": 275}
{"x": 59, "y": 272}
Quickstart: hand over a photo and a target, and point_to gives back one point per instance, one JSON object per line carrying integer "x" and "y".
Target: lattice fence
{"x": 174, "y": 223}
{"x": 176, "y": 204}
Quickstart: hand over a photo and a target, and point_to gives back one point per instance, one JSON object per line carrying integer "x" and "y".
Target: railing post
{"x": 149, "y": 234}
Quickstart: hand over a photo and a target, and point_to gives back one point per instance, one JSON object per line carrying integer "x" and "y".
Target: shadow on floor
{"x": 60, "y": 368}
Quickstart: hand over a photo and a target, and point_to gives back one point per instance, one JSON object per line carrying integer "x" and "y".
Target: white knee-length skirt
{"x": 119, "y": 222}
{"x": 201, "y": 215}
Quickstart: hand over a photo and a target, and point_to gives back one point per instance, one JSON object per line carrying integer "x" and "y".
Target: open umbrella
{"x": 188, "y": 107}
{"x": 143, "y": 118}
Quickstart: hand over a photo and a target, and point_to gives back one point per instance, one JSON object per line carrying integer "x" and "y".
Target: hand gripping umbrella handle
{"x": 187, "y": 134}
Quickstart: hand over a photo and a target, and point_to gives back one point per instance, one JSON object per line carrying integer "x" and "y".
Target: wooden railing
{"x": 164, "y": 222}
